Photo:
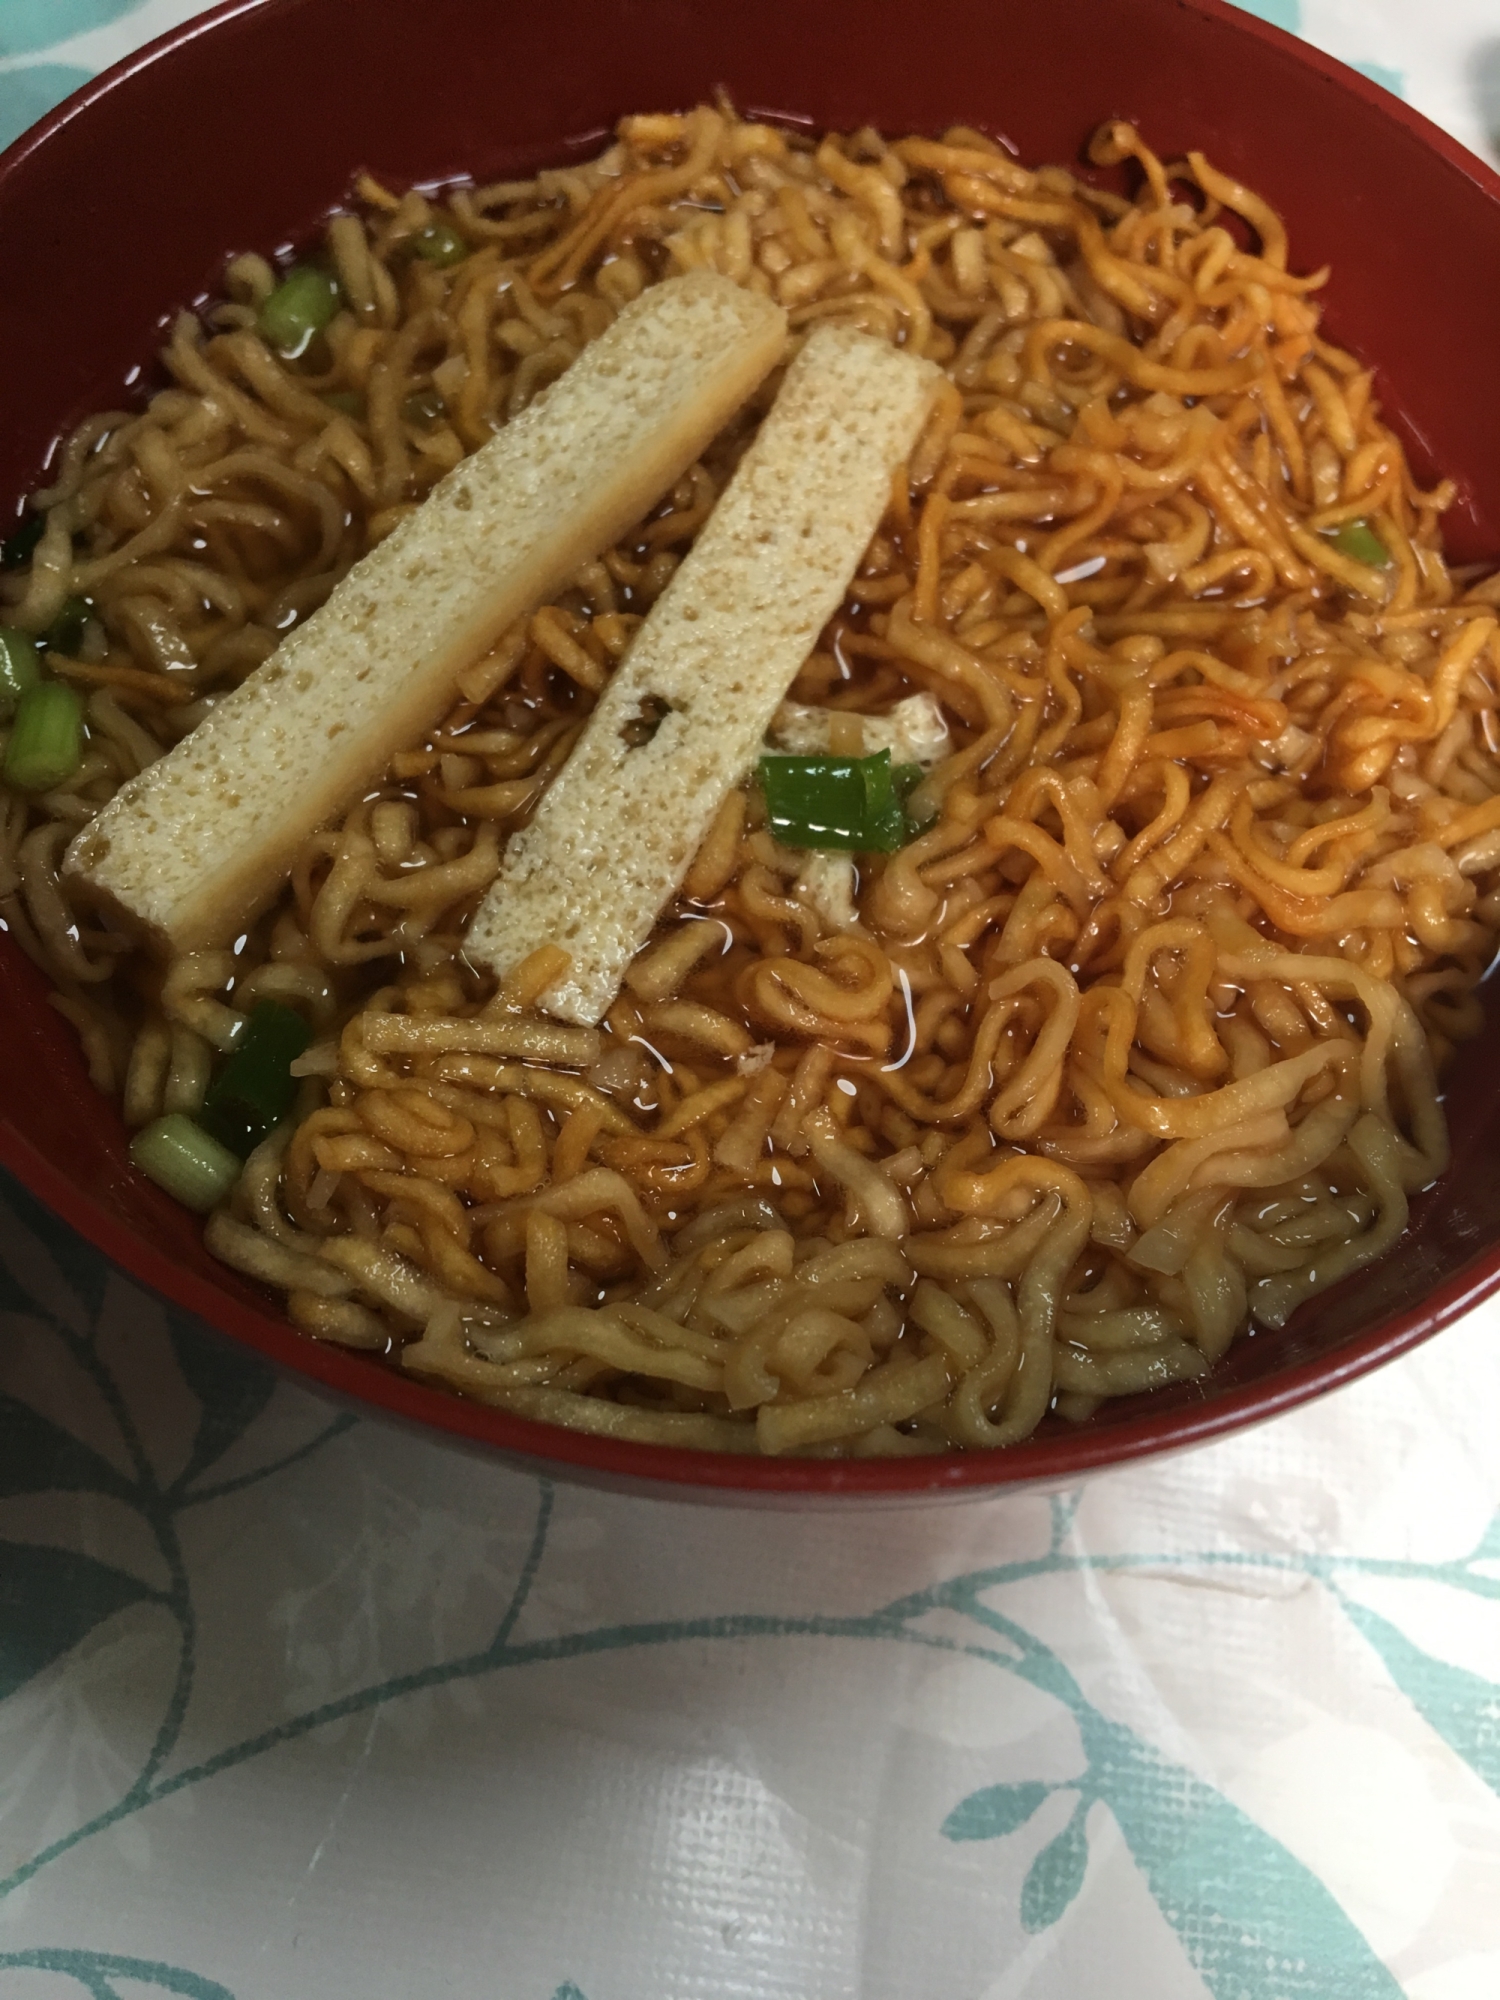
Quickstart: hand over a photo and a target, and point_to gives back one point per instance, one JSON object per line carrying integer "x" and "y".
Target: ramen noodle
{"x": 1129, "y": 1047}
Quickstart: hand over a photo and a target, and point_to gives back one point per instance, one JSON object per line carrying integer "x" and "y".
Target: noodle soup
{"x": 1128, "y": 1045}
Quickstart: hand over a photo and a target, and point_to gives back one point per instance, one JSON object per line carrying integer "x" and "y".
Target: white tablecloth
{"x": 296, "y": 1705}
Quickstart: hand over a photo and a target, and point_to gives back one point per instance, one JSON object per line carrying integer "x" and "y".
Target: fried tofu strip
{"x": 201, "y": 841}
{"x": 617, "y": 829}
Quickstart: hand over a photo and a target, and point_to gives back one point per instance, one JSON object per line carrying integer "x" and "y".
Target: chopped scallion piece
{"x": 46, "y": 740}
{"x": 20, "y": 546}
{"x": 254, "y": 1091}
{"x": 1359, "y": 541}
{"x": 65, "y": 633}
{"x": 904, "y": 781}
{"x": 181, "y": 1157}
{"x": 348, "y": 402}
{"x": 301, "y": 305}
{"x": 834, "y": 802}
{"x": 440, "y": 243}
{"x": 20, "y": 667}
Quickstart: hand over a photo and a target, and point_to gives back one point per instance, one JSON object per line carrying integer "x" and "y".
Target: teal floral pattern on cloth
{"x": 297, "y": 1703}
{"x": 41, "y": 24}
{"x": 205, "y": 1574}
{"x": 1280, "y": 13}
{"x": 49, "y": 48}
{"x": 30, "y": 93}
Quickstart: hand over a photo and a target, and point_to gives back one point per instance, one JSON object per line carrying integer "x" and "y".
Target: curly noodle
{"x": 1134, "y": 1044}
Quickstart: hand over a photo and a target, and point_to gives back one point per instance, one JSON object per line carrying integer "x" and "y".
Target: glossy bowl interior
{"x": 246, "y": 126}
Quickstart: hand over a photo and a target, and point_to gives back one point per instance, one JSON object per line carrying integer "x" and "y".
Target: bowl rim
{"x": 676, "y": 1471}
{"x": 1238, "y": 18}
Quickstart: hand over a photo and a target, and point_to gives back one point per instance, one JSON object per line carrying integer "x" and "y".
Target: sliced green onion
{"x": 348, "y": 402}
{"x": 65, "y": 633}
{"x": 180, "y": 1156}
{"x": 254, "y": 1091}
{"x": 20, "y": 546}
{"x": 424, "y": 407}
{"x": 46, "y": 740}
{"x": 834, "y": 802}
{"x": 1359, "y": 541}
{"x": 20, "y": 667}
{"x": 440, "y": 243}
{"x": 301, "y": 305}
{"x": 904, "y": 781}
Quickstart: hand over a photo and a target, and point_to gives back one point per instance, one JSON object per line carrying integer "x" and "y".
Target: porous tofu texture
{"x": 618, "y": 827}
{"x": 197, "y": 845}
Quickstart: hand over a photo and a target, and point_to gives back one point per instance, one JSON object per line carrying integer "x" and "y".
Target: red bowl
{"x": 245, "y": 126}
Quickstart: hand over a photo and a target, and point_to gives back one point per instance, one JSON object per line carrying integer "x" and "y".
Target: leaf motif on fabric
{"x": 1056, "y": 1875}
{"x": 1243, "y": 1906}
{"x": 47, "y": 1270}
{"x": 49, "y": 1600}
{"x": 94, "y": 1971}
{"x": 997, "y": 1810}
{"x": 41, "y": 24}
{"x": 1461, "y": 1706}
{"x": 232, "y": 1386}
{"x": 1489, "y": 1544}
{"x": 1280, "y": 13}
{"x": 38, "y": 1456}
{"x": 1064, "y": 1508}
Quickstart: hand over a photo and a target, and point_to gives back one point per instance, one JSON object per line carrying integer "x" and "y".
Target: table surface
{"x": 296, "y": 1704}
